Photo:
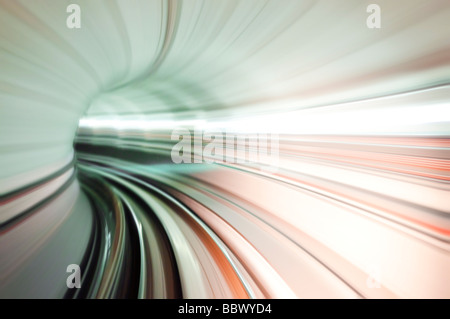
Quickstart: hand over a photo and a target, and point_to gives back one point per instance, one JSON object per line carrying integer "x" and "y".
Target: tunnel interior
{"x": 134, "y": 138}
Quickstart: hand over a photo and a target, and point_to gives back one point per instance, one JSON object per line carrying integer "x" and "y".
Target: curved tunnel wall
{"x": 359, "y": 193}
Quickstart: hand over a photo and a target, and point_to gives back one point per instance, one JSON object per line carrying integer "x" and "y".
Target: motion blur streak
{"x": 354, "y": 203}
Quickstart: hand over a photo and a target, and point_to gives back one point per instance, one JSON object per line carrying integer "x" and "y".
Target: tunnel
{"x": 224, "y": 149}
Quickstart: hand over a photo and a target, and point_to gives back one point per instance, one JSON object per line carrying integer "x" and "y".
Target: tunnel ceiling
{"x": 199, "y": 59}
